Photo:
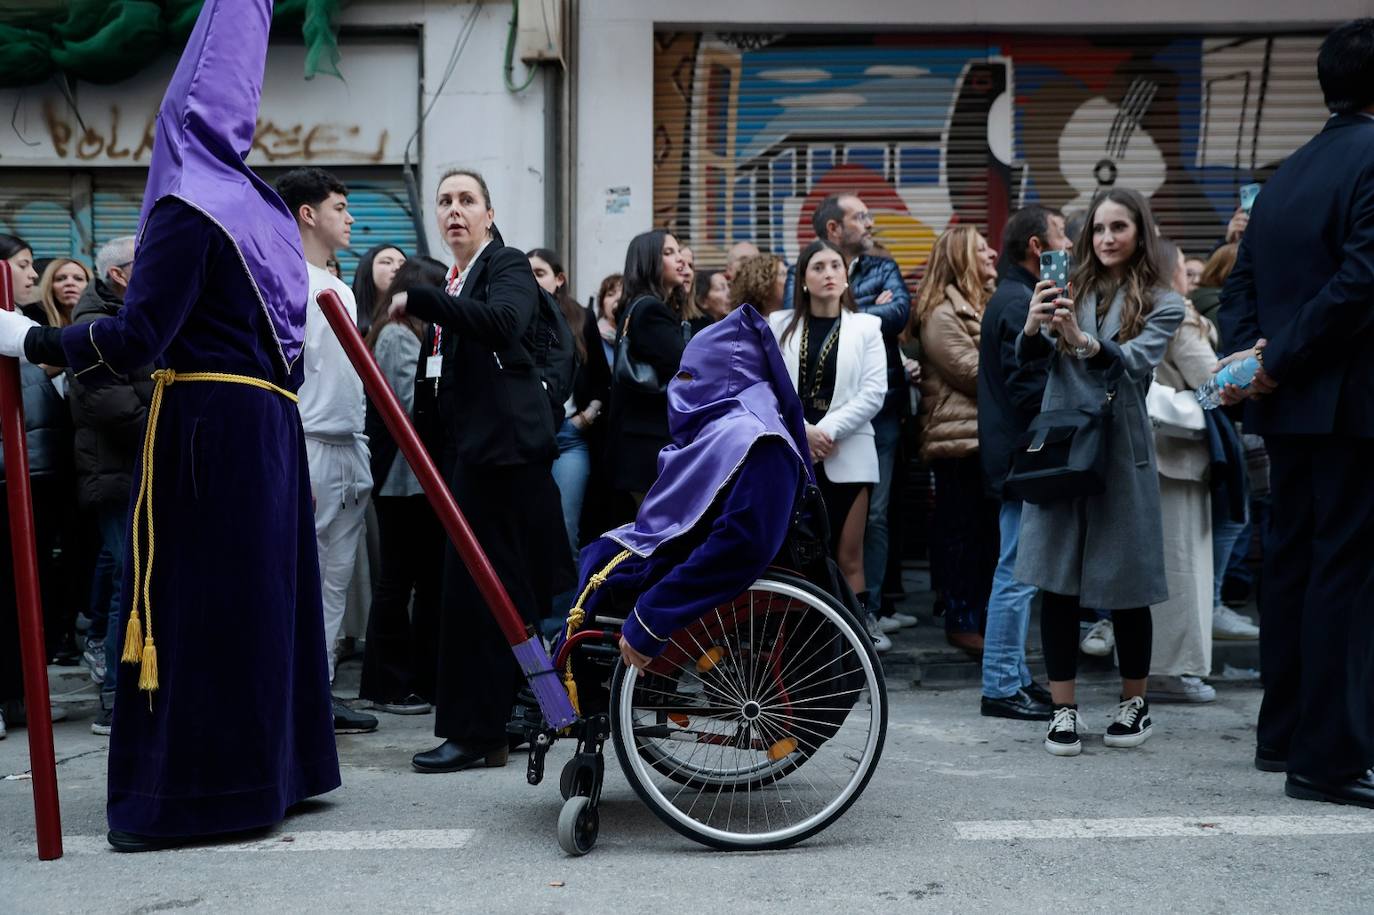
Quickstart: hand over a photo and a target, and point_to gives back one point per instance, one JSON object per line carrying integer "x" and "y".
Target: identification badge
{"x": 434, "y": 366}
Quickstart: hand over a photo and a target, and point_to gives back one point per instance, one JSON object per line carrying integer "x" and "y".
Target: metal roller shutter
{"x": 379, "y": 206}
{"x": 751, "y": 131}
{"x": 37, "y": 206}
{"x": 116, "y": 199}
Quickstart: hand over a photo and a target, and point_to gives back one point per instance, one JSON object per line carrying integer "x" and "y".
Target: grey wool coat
{"x": 1108, "y": 549}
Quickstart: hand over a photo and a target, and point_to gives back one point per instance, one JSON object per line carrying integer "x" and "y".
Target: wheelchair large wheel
{"x": 758, "y": 726}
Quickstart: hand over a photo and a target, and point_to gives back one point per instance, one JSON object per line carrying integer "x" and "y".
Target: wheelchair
{"x": 758, "y": 725}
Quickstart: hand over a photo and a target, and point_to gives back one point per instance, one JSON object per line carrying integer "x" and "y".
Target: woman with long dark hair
{"x": 651, "y": 317}
{"x": 402, "y": 643}
{"x": 373, "y": 279}
{"x": 591, "y": 390}
{"x": 835, "y": 357}
{"x": 958, "y": 282}
{"x": 1104, "y": 336}
{"x": 498, "y": 445}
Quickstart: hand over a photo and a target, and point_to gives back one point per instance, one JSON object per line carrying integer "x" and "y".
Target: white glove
{"x": 14, "y": 327}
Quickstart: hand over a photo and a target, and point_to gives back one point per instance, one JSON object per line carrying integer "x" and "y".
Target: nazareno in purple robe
{"x": 241, "y": 726}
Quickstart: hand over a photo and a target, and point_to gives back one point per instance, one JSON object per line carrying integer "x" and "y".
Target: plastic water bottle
{"x": 1240, "y": 373}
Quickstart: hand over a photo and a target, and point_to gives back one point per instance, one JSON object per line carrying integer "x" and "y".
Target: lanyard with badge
{"x": 434, "y": 363}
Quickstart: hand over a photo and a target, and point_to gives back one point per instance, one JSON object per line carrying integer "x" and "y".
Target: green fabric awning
{"x": 107, "y": 41}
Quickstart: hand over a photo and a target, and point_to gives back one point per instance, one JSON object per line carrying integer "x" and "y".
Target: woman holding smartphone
{"x": 835, "y": 358}
{"x": 1105, "y": 549}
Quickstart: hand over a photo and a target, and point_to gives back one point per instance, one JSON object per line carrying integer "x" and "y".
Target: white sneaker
{"x": 905, "y": 620}
{"x": 888, "y": 624}
{"x": 881, "y": 643}
{"x": 1100, "y": 640}
{"x": 1229, "y": 625}
{"x": 58, "y": 712}
{"x": 1179, "y": 689}
{"x": 3, "y": 732}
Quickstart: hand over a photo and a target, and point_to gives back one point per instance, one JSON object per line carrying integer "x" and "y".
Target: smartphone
{"x": 1248, "y": 195}
{"x": 1054, "y": 265}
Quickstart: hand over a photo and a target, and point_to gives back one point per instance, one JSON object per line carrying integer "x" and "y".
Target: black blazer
{"x": 1009, "y": 392}
{"x": 639, "y": 419}
{"x": 1304, "y": 280}
{"x": 492, "y": 408}
{"x": 593, "y": 378}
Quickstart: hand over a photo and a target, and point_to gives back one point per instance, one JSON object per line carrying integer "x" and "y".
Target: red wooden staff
{"x": 524, "y": 642}
{"x": 42, "y": 760}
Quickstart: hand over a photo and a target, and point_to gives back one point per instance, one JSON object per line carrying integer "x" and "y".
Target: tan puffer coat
{"x": 949, "y": 378}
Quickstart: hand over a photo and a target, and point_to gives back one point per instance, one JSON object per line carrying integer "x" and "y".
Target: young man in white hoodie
{"x": 333, "y": 410}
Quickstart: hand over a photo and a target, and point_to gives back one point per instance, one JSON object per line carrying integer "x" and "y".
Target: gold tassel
{"x": 133, "y": 637}
{"x": 147, "y": 677}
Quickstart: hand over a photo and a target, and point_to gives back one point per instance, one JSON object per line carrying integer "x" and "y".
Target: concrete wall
{"x": 614, "y": 83}
{"x": 475, "y": 121}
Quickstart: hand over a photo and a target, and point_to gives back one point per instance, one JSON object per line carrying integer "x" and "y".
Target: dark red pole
{"x": 398, "y": 424}
{"x": 42, "y": 760}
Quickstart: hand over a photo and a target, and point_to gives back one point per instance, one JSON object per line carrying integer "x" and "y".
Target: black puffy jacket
{"x": 109, "y": 418}
{"x": 46, "y": 427}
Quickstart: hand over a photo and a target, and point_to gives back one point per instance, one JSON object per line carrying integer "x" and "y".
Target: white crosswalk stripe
{"x": 1163, "y": 827}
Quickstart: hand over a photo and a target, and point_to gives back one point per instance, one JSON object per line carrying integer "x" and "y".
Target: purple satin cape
{"x": 204, "y": 133}
{"x": 738, "y": 392}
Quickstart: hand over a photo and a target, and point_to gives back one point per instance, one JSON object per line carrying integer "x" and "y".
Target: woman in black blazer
{"x": 651, "y": 315}
{"x": 497, "y": 445}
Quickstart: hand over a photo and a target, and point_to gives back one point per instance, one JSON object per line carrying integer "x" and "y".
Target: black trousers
{"x": 1317, "y": 606}
{"x": 402, "y": 654}
{"x": 964, "y": 541}
{"x": 517, "y": 517}
{"x": 1059, "y": 615}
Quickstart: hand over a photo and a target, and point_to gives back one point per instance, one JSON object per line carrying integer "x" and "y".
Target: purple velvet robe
{"x": 241, "y": 727}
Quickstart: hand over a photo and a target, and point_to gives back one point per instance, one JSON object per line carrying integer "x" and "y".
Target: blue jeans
{"x": 1009, "y": 611}
{"x": 112, "y": 521}
{"x": 1225, "y": 536}
{"x": 887, "y": 434}
{"x": 570, "y": 472}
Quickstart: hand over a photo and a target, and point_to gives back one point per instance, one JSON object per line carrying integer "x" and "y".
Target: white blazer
{"x": 860, "y": 387}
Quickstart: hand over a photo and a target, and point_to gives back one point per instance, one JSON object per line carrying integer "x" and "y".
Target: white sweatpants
{"x": 341, "y": 483}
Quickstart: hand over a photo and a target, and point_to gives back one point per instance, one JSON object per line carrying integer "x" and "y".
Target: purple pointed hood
{"x": 732, "y": 390}
{"x": 204, "y": 133}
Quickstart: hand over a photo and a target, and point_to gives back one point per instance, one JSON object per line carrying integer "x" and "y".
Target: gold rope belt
{"x": 578, "y": 615}
{"x": 138, "y": 637}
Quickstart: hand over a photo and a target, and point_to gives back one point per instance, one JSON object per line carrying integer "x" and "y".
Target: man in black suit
{"x": 1009, "y": 395}
{"x": 1301, "y": 298}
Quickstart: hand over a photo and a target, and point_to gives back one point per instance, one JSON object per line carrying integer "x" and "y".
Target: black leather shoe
{"x": 133, "y": 842}
{"x": 1267, "y": 759}
{"x": 1038, "y": 693}
{"x": 1358, "y": 792}
{"x": 452, "y": 756}
{"x": 1018, "y": 706}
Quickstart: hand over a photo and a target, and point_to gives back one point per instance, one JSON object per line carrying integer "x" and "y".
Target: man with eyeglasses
{"x": 875, "y": 282}
{"x": 109, "y": 422}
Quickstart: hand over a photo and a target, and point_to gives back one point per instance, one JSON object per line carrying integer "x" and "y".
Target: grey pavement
{"x": 911, "y": 843}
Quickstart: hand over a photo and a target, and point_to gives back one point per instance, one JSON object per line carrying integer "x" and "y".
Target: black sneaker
{"x": 101, "y": 725}
{"x": 409, "y": 705}
{"x": 347, "y": 721}
{"x": 1062, "y": 740}
{"x": 1131, "y": 725}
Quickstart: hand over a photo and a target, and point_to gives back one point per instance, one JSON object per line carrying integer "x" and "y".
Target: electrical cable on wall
{"x": 510, "y": 52}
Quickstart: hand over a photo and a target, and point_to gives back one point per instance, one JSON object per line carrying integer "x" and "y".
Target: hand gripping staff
{"x": 524, "y": 641}
{"x": 42, "y": 761}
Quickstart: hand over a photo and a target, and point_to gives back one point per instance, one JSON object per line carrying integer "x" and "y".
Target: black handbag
{"x": 629, "y": 372}
{"x": 1062, "y": 455}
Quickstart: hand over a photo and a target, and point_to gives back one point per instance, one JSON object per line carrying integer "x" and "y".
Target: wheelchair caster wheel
{"x": 578, "y": 824}
{"x": 565, "y": 780}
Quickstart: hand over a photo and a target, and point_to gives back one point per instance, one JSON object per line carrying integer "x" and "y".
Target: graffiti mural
{"x": 752, "y": 131}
